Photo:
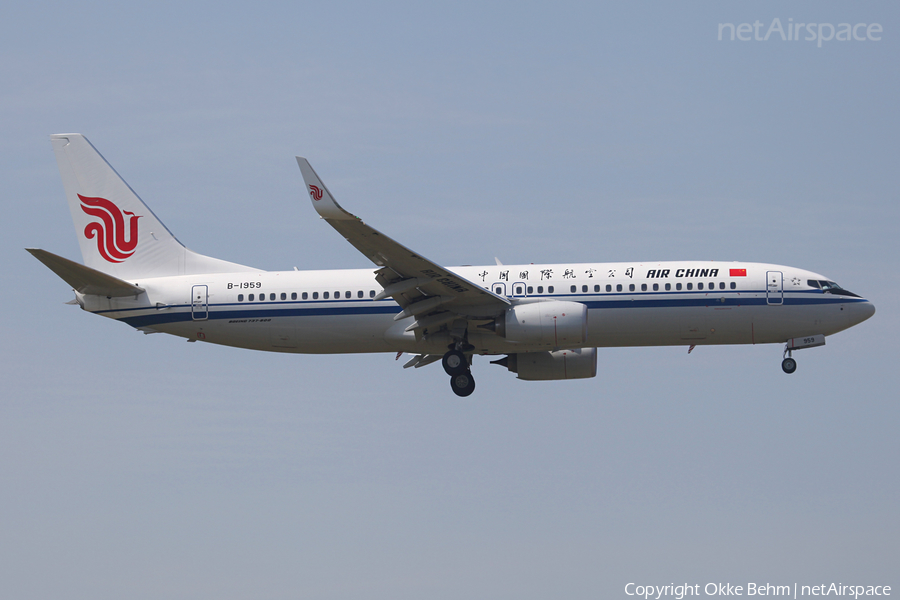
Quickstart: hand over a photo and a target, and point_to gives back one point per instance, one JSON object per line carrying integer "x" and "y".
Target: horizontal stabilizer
{"x": 85, "y": 280}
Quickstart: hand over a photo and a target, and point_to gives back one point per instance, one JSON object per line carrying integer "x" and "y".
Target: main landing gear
{"x": 462, "y": 384}
{"x": 456, "y": 365}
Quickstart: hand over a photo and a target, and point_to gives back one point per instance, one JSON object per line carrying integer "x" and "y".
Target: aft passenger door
{"x": 774, "y": 288}
{"x": 199, "y": 302}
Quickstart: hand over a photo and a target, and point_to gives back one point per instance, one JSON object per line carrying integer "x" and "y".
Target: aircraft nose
{"x": 863, "y": 311}
{"x": 868, "y": 309}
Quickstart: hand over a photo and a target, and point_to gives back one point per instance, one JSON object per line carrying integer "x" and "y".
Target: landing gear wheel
{"x": 789, "y": 365}
{"x": 462, "y": 384}
{"x": 455, "y": 363}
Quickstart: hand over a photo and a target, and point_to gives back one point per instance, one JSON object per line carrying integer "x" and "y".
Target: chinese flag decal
{"x": 737, "y": 272}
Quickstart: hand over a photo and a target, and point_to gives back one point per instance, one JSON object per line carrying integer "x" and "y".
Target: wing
{"x": 423, "y": 289}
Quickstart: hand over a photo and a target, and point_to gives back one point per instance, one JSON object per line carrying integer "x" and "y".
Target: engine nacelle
{"x": 580, "y": 363}
{"x": 553, "y": 323}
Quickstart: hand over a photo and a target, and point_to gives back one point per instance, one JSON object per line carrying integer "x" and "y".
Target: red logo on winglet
{"x": 315, "y": 192}
{"x": 110, "y": 229}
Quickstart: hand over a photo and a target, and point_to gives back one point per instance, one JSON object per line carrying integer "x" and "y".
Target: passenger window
{"x": 540, "y": 289}
{"x": 733, "y": 285}
{"x": 643, "y": 287}
{"x": 596, "y": 288}
{"x": 315, "y": 295}
{"x": 271, "y": 296}
{"x": 519, "y": 290}
{"x": 283, "y": 296}
{"x": 305, "y": 295}
{"x": 699, "y": 286}
{"x": 668, "y": 286}
{"x": 721, "y": 285}
{"x": 530, "y": 290}
{"x": 712, "y": 285}
{"x": 572, "y": 289}
{"x": 240, "y": 297}
{"x": 690, "y": 286}
{"x": 655, "y": 287}
{"x": 631, "y": 287}
{"x": 293, "y": 295}
{"x": 250, "y": 297}
{"x": 678, "y": 286}
{"x": 498, "y": 290}
{"x": 359, "y": 294}
{"x": 337, "y": 295}
{"x": 549, "y": 289}
{"x": 325, "y": 295}
{"x": 618, "y": 287}
{"x": 584, "y": 288}
{"x": 371, "y": 293}
{"x": 608, "y": 288}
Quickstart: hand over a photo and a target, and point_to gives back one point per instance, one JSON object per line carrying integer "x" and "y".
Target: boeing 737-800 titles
{"x": 543, "y": 321}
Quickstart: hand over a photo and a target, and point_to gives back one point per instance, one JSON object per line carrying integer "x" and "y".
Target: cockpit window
{"x": 812, "y": 283}
{"x": 830, "y": 287}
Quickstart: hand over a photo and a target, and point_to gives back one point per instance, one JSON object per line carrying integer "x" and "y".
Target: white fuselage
{"x": 548, "y": 319}
{"x": 629, "y": 304}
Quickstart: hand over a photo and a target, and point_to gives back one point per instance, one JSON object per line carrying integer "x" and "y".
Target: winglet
{"x": 322, "y": 200}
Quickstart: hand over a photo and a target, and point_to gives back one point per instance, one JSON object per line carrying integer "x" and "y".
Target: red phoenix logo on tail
{"x": 316, "y": 192}
{"x": 110, "y": 229}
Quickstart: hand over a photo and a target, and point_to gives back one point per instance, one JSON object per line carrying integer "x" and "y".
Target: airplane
{"x": 541, "y": 322}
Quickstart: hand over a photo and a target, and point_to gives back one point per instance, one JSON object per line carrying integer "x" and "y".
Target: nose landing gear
{"x": 789, "y": 365}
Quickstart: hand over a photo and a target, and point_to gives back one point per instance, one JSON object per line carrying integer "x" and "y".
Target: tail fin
{"x": 117, "y": 233}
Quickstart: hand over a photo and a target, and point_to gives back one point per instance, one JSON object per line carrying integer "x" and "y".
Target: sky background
{"x": 137, "y": 466}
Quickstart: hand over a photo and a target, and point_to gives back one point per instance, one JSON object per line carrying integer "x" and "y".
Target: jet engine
{"x": 554, "y": 323}
{"x": 580, "y": 363}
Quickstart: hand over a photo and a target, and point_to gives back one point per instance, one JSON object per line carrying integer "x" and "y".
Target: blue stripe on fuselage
{"x": 182, "y": 313}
